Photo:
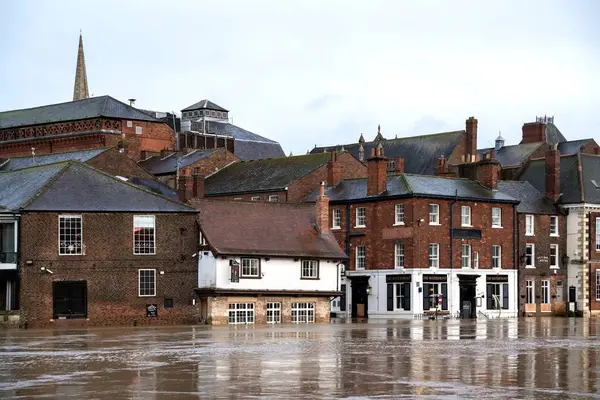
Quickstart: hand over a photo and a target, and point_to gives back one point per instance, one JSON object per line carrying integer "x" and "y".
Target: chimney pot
{"x": 185, "y": 189}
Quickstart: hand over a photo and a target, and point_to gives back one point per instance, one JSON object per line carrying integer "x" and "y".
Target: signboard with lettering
{"x": 398, "y": 278}
{"x": 235, "y": 271}
{"x": 542, "y": 259}
{"x": 152, "y": 310}
{"x": 497, "y": 278}
{"x": 435, "y": 278}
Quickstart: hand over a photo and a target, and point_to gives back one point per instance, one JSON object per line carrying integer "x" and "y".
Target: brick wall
{"x": 264, "y": 196}
{"x": 542, "y": 241}
{"x": 110, "y": 269}
{"x": 56, "y": 145}
{"x": 380, "y": 234}
{"x": 218, "y": 309}
{"x": 115, "y": 163}
{"x": 155, "y": 136}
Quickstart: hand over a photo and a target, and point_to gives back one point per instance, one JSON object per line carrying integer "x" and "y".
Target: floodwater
{"x": 552, "y": 358}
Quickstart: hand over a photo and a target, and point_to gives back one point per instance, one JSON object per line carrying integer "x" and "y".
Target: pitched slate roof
{"x": 420, "y": 153}
{"x": 204, "y": 104}
{"x": 553, "y": 134}
{"x": 19, "y": 187}
{"x": 409, "y": 185}
{"x": 572, "y": 146}
{"x": 26, "y": 162}
{"x": 270, "y": 229}
{"x": 578, "y": 172}
{"x": 157, "y": 165}
{"x": 531, "y": 200}
{"x": 103, "y": 106}
{"x": 248, "y": 145}
{"x": 263, "y": 175}
{"x": 73, "y": 186}
{"x": 155, "y": 186}
{"x": 512, "y": 155}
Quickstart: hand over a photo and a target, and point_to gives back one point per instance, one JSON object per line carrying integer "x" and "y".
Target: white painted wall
{"x": 276, "y": 274}
{"x": 378, "y": 298}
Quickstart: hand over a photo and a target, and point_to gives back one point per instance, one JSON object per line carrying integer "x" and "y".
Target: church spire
{"x": 80, "y": 90}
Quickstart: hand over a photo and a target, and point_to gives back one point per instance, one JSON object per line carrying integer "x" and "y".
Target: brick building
{"x": 579, "y": 197}
{"x": 92, "y": 250}
{"x": 165, "y": 166}
{"x": 81, "y": 125}
{"x": 285, "y": 179}
{"x": 282, "y": 267}
{"x": 419, "y": 243}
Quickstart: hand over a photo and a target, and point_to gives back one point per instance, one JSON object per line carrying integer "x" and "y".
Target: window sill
{"x": 360, "y": 226}
{"x": 529, "y": 234}
{"x": 554, "y": 268}
{"x": 250, "y": 277}
{"x": 554, "y": 235}
{"x": 530, "y": 266}
{"x": 146, "y": 295}
{"x": 145, "y": 254}
{"x": 309, "y": 279}
{"x": 434, "y": 224}
{"x": 497, "y": 227}
{"x": 466, "y": 226}
{"x": 399, "y": 224}
{"x": 336, "y": 228}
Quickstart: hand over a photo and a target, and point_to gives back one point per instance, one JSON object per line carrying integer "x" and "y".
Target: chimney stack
{"x": 334, "y": 170}
{"x": 376, "y": 172}
{"x": 399, "y": 165}
{"x": 552, "y": 187}
{"x": 198, "y": 186}
{"x": 488, "y": 171}
{"x": 185, "y": 190}
{"x": 534, "y": 132}
{"x": 322, "y": 211}
{"x": 471, "y": 130}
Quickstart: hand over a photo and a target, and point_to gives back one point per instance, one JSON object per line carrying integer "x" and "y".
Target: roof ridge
{"x": 54, "y": 104}
{"x": 403, "y": 177}
{"x": 66, "y": 152}
{"x": 36, "y": 166}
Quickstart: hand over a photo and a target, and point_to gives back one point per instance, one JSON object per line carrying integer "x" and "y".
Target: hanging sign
{"x": 235, "y": 271}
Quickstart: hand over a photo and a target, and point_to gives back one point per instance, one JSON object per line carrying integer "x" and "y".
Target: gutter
{"x": 516, "y": 252}
{"x": 422, "y": 196}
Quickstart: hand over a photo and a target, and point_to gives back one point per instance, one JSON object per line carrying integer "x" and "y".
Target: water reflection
{"x": 532, "y": 358}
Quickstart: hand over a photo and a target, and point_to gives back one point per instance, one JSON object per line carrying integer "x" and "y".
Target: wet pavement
{"x": 519, "y": 359}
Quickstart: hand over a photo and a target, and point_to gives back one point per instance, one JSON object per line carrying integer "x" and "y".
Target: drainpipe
{"x": 515, "y": 255}
{"x": 452, "y": 230}
{"x": 348, "y": 234}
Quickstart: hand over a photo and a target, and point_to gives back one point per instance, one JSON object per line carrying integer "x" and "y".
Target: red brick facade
{"x": 542, "y": 270}
{"x": 87, "y": 134}
{"x": 380, "y": 234}
{"x": 116, "y": 163}
{"x": 205, "y": 166}
{"x": 110, "y": 269}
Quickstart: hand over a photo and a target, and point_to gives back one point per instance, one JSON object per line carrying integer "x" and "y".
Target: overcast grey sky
{"x": 319, "y": 72}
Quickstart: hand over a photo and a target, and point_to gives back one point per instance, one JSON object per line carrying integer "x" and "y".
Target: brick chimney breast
{"x": 488, "y": 171}
{"x": 198, "y": 186}
{"x": 334, "y": 171}
{"x": 552, "y": 184}
{"x": 471, "y": 133}
{"x": 399, "y": 165}
{"x": 534, "y": 132}
{"x": 185, "y": 187}
{"x": 376, "y": 172}
{"x": 322, "y": 211}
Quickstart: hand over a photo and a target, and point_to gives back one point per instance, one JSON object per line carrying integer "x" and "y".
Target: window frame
{"x": 435, "y": 213}
{"x": 434, "y": 259}
{"x": 247, "y": 310}
{"x": 556, "y": 247}
{"x": 60, "y": 248}
{"x": 556, "y": 232}
{"x": 140, "y": 282}
{"x": 359, "y": 257}
{"x": 597, "y": 234}
{"x": 299, "y": 307}
{"x": 465, "y": 216}
{"x": 498, "y": 217}
{"x": 255, "y": 198}
{"x": 545, "y": 292}
{"x": 530, "y": 291}
{"x": 497, "y": 257}
{"x": 135, "y": 251}
{"x": 250, "y": 276}
{"x": 399, "y": 214}
{"x": 314, "y": 266}
{"x": 399, "y": 258}
{"x": 273, "y": 198}
{"x": 598, "y": 285}
{"x": 359, "y": 217}
{"x": 465, "y": 255}
{"x": 529, "y": 225}
{"x": 336, "y": 218}
{"x": 273, "y": 312}
{"x": 532, "y": 246}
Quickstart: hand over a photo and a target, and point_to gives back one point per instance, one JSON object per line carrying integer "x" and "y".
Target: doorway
{"x": 467, "y": 285}
{"x": 70, "y": 299}
{"x": 360, "y": 301}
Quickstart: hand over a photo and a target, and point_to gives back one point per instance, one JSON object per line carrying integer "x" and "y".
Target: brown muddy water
{"x": 491, "y": 359}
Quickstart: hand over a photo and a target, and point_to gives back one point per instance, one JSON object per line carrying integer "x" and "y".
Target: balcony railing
{"x": 8, "y": 258}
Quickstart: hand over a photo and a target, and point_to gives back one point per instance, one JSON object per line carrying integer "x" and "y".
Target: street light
{"x": 369, "y": 290}
{"x": 565, "y": 260}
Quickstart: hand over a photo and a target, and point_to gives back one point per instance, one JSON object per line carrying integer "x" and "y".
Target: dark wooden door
{"x": 70, "y": 299}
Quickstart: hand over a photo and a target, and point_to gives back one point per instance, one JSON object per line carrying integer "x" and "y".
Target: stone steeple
{"x": 80, "y": 90}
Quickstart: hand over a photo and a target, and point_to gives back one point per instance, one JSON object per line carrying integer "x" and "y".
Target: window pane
{"x": 143, "y": 234}
{"x": 69, "y": 235}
